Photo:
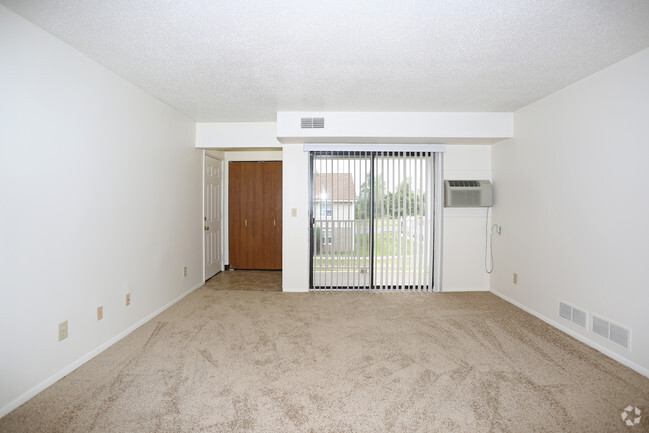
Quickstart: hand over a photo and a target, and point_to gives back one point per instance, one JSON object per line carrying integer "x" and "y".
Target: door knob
{"x": 246, "y": 221}
{"x": 274, "y": 223}
{"x": 207, "y": 228}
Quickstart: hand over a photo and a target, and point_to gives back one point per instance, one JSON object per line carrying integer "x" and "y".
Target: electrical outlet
{"x": 185, "y": 271}
{"x": 515, "y": 278}
{"x": 100, "y": 313}
{"x": 63, "y": 330}
{"x": 128, "y": 299}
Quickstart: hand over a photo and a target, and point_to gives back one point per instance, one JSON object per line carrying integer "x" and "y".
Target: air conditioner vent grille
{"x": 467, "y": 193}
{"x": 464, "y": 183}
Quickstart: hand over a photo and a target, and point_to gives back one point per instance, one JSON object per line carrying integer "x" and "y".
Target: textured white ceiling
{"x": 244, "y": 60}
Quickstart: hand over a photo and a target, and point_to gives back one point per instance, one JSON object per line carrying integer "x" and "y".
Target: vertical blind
{"x": 375, "y": 218}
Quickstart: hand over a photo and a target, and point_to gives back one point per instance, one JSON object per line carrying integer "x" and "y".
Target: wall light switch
{"x": 128, "y": 299}
{"x": 63, "y": 330}
{"x": 515, "y": 278}
{"x": 100, "y": 313}
{"x": 185, "y": 271}
{"x": 293, "y": 211}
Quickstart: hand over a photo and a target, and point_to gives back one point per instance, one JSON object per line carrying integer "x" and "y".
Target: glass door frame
{"x": 436, "y": 205}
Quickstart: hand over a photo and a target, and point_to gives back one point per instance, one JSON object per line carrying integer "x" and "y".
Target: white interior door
{"x": 213, "y": 216}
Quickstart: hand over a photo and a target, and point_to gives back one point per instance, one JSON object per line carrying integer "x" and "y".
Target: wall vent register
{"x": 312, "y": 122}
{"x": 615, "y": 333}
{"x": 573, "y": 314}
{"x": 600, "y": 326}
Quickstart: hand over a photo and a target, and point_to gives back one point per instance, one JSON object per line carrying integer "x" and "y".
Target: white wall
{"x": 236, "y": 135}
{"x": 464, "y": 237}
{"x": 295, "y": 247}
{"x": 100, "y": 192}
{"x": 572, "y": 197}
{"x": 464, "y": 229}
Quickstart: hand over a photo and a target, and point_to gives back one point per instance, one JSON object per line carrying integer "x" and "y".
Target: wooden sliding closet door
{"x": 255, "y": 215}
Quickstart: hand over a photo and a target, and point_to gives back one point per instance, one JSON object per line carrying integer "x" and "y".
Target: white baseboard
{"x": 295, "y": 289}
{"x": 460, "y": 289}
{"x": 24, "y": 397}
{"x": 608, "y": 352}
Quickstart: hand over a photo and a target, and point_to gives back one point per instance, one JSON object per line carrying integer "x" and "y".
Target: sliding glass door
{"x": 373, "y": 220}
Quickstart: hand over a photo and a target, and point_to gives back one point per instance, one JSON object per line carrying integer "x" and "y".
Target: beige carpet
{"x": 244, "y": 361}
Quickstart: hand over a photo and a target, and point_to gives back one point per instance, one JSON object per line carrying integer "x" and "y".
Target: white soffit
{"x": 244, "y": 60}
{"x": 236, "y": 135}
{"x": 405, "y": 128}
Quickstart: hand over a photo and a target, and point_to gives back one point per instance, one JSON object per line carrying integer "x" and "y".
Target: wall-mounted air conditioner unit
{"x": 467, "y": 193}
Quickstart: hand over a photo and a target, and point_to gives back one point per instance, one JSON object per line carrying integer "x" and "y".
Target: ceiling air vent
{"x": 312, "y": 122}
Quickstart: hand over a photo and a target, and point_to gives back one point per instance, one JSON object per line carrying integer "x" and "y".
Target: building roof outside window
{"x": 334, "y": 187}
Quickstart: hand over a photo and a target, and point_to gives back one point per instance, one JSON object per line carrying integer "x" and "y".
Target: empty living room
{"x": 343, "y": 216}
